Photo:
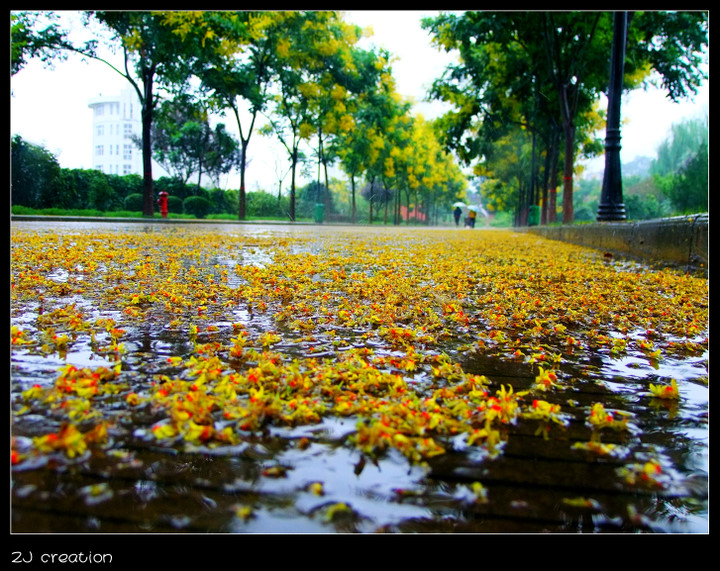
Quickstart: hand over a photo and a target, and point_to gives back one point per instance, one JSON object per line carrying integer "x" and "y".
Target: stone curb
{"x": 680, "y": 240}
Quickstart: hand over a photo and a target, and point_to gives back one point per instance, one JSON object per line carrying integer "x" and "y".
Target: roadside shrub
{"x": 265, "y": 205}
{"x": 100, "y": 195}
{"x": 175, "y": 205}
{"x": 198, "y": 206}
{"x": 222, "y": 200}
{"x": 134, "y": 202}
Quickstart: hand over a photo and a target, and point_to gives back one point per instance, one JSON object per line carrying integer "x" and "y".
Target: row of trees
{"x": 525, "y": 92}
{"x": 675, "y": 183}
{"x": 302, "y": 71}
{"x": 39, "y": 183}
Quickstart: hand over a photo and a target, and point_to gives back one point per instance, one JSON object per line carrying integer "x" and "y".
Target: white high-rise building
{"x": 116, "y": 126}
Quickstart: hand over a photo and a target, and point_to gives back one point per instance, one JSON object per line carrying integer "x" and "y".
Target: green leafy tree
{"x": 34, "y": 35}
{"x": 520, "y": 69}
{"x": 681, "y": 166}
{"x": 180, "y": 136}
{"x": 687, "y": 188}
{"x": 186, "y": 144}
{"x": 682, "y": 144}
{"x": 348, "y": 74}
{"x": 222, "y": 154}
{"x": 389, "y": 139}
{"x": 674, "y": 45}
{"x": 556, "y": 57}
{"x": 289, "y": 112}
{"x": 294, "y": 64}
{"x": 155, "y": 55}
{"x": 439, "y": 180}
{"x": 311, "y": 49}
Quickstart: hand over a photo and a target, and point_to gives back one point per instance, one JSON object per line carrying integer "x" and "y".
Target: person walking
{"x": 456, "y": 213}
{"x": 471, "y": 217}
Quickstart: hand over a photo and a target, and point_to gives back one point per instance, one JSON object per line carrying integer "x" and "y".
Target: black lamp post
{"x": 611, "y": 205}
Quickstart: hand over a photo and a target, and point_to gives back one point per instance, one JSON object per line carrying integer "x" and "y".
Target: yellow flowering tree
{"x": 240, "y": 74}
{"x": 304, "y": 43}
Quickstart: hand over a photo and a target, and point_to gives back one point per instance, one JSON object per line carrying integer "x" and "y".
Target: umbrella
{"x": 459, "y": 204}
{"x": 473, "y": 207}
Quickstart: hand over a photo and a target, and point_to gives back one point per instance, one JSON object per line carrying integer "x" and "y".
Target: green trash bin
{"x": 319, "y": 213}
{"x": 534, "y": 215}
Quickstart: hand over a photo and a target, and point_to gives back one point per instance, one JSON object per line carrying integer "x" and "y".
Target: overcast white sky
{"x": 49, "y": 106}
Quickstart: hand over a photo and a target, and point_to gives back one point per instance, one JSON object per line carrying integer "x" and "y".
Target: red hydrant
{"x": 162, "y": 201}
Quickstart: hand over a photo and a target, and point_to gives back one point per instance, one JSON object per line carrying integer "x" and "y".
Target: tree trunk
{"x": 242, "y": 200}
{"x": 545, "y": 185}
{"x": 352, "y": 190}
{"x": 567, "y": 112}
{"x": 552, "y": 206}
{"x": 244, "y": 143}
{"x": 567, "y": 208}
{"x": 292, "y": 184}
{"x": 201, "y": 161}
{"x": 550, "y": 178}
{"x": 327, "y": 192}
{"x": 147, "y": 117}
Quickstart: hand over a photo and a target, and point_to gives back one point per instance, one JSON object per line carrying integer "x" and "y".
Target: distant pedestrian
{"x": 456, "y": 213}
{"x": 471, "y": 217}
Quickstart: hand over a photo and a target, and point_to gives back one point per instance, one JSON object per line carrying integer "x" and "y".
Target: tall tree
{"x": 349, "y": 73}
{"x": 180, "y": 136}
{"x": 154, "y": 57}
{"x": 307, "y": 45}
{"x": 186, "y": 144}
{"x": 359, "y": 148}
{"x": 681, "y": 167}
{"x": 221, "y": 157}
{"x": 34, "y": 173}
{"x": 237, "y": 77}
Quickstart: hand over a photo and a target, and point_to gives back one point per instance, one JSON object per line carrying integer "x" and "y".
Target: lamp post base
{"x": 611, "y": 212}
